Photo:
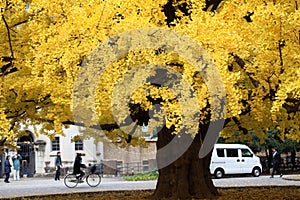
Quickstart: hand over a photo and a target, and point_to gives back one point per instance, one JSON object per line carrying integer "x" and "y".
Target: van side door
{"x": 233, "y": 161}
{"x": 247, "y": 160}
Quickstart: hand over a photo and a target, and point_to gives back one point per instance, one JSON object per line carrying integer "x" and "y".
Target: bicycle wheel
{"x": 93, "y": 180}
{"x": 71, "y": 181}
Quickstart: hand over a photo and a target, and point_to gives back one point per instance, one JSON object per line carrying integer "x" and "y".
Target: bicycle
{"x": 93, "y": 179}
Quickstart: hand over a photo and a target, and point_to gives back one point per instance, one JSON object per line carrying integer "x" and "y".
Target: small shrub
{"x": 153, "y": 175}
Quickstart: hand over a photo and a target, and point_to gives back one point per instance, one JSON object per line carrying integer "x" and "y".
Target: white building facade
{"x": 45, "y": 157}
{"x": 39, "y": 153}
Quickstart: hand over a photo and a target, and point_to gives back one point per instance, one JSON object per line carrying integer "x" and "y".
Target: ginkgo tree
{"x": 184, "y": 67}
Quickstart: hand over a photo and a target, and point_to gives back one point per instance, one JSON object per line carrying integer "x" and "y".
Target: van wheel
{"x": 256, "y": 171}
{"x": 219, "y": 173}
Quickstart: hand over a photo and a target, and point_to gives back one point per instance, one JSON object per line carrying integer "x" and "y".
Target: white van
{"x": 234, "y": 159}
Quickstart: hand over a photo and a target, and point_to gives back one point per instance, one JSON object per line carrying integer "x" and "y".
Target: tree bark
{"x": 186, "y": 178}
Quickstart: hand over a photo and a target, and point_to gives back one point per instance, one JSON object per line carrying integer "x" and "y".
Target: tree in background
{"x": 254, "y": 45}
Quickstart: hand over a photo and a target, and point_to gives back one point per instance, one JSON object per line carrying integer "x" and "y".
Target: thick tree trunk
{"x": 186, "y": 178}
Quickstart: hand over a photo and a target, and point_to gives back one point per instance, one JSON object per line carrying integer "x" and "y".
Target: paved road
{"x": 44, "y": 186}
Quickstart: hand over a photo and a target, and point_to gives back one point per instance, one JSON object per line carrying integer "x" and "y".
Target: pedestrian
{"x": 293, "y": 159}
{"x": 58, "y": 166}
{"x": 77, "y": 165}
{"x": 17, "y": 159}
{"x": 7, "y": 169}
{"x": 276, "y": 162}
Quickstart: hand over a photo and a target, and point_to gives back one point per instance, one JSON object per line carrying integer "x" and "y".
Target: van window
{"x": 246, "y": 153}
{"x": 220, "y": 153}
{"x": 232, "y": 152}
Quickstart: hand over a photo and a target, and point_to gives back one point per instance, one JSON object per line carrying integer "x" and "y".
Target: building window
{"x": 119, "y": 167}
{"x": 145, "y": 166}
{"x": 78, "y": 145}
{"x": 55, "y": 144}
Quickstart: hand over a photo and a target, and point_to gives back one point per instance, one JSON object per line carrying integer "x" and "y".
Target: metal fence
{"x": 287, "y": 163}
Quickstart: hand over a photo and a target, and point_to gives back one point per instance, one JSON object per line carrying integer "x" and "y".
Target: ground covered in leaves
{"x": 261, "y": 193}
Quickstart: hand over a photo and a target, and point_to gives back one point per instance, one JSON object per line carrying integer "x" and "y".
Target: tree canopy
{"x": 254, "y": 44}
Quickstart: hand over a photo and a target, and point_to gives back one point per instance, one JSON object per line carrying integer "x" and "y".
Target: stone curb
{"x": 291, "y": 177}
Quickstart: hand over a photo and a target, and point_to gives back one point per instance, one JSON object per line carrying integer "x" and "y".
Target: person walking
{"x": 276, "y": 163}
{"x": 58, "y": 166}
{"x": 7, "y": 169}
{"x": 293, "y": 159}
{"x": 17, "y": 159}
{"x": 77, "y": 165}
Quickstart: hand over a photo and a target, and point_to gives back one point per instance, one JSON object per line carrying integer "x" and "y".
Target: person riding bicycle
{"x": 77, "y": 165}
{"x": 92, "y": 178}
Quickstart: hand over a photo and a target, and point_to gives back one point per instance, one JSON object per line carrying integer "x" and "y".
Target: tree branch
{"x": 212, "y": 5}
{"x": 16, "y": 115}
{"x": 238, "y": 123}
{"x": 106, "y": 127}
{"x": 8, "y": 68}
{"x": 292, "y": 105}
{"x": 19, "y": 23}
{"x": 8, "y": 35}
{"x": 281, "y": 44}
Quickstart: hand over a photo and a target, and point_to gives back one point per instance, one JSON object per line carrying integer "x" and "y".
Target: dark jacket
{"x": 276, "y": 159}
{"x": 58, "y": 162}
{"x": 78, "y": 164}
{"x": 7, "y": 166}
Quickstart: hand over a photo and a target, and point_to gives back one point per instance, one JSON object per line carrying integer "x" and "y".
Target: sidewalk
{"x": 39, "y": 186}
{"x": 27, "y": 187}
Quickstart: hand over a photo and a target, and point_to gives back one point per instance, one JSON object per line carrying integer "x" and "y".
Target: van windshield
{"x": 246, "y": 153}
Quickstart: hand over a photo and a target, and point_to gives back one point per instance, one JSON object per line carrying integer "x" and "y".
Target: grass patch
{"x": 153, "y": 175}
